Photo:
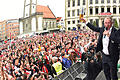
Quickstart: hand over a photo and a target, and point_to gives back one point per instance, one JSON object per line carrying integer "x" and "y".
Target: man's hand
{"x": 106, "y": 32}
{"x": 83, "y": 20}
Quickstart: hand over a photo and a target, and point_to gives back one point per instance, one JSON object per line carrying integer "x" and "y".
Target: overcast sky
{"x": 13, "y": 9}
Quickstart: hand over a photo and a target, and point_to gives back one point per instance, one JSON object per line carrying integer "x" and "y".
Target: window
{"x": 114, "y": 10}
{"x": 96, "y": 10}
{"x": 78, "y": 11}
{"x": 26, "y": 25}
{"x": 78, "y": 2}
{"x": 102, "y": 10}
{"x": 91, "y": 20}
{"x": 108, "y": 9}
{"x": 68, "y": 13}
{"x": 68, "y": 22}
{"x": 78, "y": 21}
{"x": 91, "y": 1}
{"x": 96, "y": 1}
{"x": 91, "y": 11}
{"x": 73, "y": 21}
{"x": 108, "y": 1}
{"x": 53, "y": 24}
{"x": 119, "y": 10}
{"x": 73, "y": 3}
{"x": 50, "y": 25}
{"x": 83, "y": 2}
{"x": 26, "y": 14}
{"x": 68, "y": 28}
{"x": 114, "y": 1}
{"x": 119, "y": 1}
{"x": 46, "y": 24}
{"x": 102, "y": 1}
{"x": 68, "y": 3}
{"x": 73, "y": 12}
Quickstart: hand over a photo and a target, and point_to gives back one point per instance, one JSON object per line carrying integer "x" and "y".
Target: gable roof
{"x": 47, "y": 13}
{"x": 58, "y": 19}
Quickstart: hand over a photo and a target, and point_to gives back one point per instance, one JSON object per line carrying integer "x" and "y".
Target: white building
{"x": 36, "y": 18}
{"x": 94, "y": 10}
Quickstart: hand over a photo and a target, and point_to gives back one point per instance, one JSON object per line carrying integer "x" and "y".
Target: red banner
{"x": 105, "y": 13}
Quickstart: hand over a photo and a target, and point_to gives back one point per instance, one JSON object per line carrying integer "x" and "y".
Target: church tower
{"x": 28, "y": 22}
{"x": 29, "y": 8}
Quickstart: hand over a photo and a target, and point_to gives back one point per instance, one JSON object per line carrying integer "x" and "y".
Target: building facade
{"x": 9, "y": 29}
{"x": 36, "y": 18}
{"x": 93, "y": 10}
{"x": 3, "y": 30}
{"x": 12, "y": 28}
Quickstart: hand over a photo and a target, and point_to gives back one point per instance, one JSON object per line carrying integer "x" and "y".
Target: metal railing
{"x": 71, "y": 73}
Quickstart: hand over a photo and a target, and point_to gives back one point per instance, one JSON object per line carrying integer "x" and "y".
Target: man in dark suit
{"x": 108, "y": 41}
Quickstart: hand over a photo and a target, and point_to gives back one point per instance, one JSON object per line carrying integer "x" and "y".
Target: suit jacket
{"x": 114, "y": 41}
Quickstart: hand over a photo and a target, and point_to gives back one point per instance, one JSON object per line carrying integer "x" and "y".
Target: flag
{"x": 5, "y": 41}
{"x": 53, "y": 34}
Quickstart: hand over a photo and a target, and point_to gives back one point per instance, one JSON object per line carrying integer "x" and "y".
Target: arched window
{"x": 50, "y": 24}
{"x": 53, "y": 24}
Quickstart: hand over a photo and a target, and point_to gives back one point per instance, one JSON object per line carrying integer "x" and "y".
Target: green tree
{"x": 59, "y": 26}
{"x": 115, "y": 24}
{"x": 94, "y": 23}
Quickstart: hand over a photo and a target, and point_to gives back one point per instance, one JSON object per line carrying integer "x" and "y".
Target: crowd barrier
{"x": 71, "y": 73}
{"x": 101, "y": 76}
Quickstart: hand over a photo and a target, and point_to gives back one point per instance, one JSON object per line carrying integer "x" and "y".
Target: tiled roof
{"x": 47, "y": 13}
{"x": 58, "y": 19}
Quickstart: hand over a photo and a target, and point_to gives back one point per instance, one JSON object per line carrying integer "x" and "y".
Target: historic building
{"x": 36, "y": 18}
{"x": 93, "y": 11}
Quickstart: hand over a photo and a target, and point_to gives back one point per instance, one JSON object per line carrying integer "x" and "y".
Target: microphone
{"x": 105, "y": 30}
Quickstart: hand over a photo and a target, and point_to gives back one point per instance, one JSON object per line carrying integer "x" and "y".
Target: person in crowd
{"x": 94, "y": 65}
{"x": 66, "y": 62}
{"x": 32, "y": 57}
{"x": 57, "y": 66}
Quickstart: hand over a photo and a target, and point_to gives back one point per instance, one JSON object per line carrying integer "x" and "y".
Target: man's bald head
{"x": 108, "y": 18}
{"x": 108, "y": 22}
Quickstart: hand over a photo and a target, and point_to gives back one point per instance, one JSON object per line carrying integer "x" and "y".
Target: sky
{"x": 13, "y": 9}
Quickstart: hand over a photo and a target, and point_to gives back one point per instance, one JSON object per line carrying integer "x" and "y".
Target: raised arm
{"x": 92, "y": 27}
{"x": 96, "y": 29}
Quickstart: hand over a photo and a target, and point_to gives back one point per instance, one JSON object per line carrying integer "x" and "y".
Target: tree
{"x": 59, "y": 26}
{"x": 94, "y": 23}
{"x": 115, "y": 23}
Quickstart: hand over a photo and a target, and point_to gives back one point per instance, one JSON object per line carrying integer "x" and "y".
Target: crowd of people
{"x": 42, "y": 57}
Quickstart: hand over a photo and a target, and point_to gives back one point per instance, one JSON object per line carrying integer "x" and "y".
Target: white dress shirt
{"x": 105, "y": 42}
